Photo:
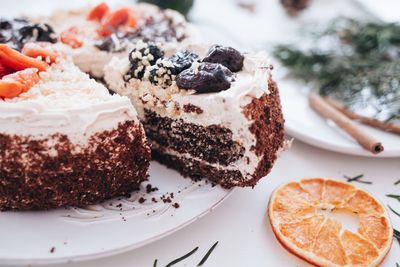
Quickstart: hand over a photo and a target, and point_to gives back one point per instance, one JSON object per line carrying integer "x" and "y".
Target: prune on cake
{"x": 5, "y": 24}
{"x": 205, "y": 78}
{"x": 37, "y": 32}
{"x": 227, "y": 56}
{"x": 143, "y": 55}
{"x": 165, "y": 70}
{"x": 182, "y": 60}
{"x": 112, "y": 43}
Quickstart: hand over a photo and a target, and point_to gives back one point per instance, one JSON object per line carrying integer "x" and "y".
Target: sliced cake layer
{"x": 212, "y": 114}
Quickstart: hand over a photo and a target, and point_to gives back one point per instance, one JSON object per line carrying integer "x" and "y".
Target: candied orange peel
{"x": 296, "y": 220}
{"x": 40, "y": 50}
{"x": 112, "y": 21}
{"x": 71, "y": 38}
{"x": 98, "y": 11}
{"x": 20, "y": 71}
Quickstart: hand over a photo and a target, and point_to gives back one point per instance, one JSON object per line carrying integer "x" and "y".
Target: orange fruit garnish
{"x": 112, "y": 20}
{"x": 298, "y": 215}
{"x": 70, "y": 37}
{"x": 18, "y": 61}
{"x": 14, "y": 84}
{"x": 42, "y": 50}
{"x": 4, "y": 70}
{"x": 98, "y": 12}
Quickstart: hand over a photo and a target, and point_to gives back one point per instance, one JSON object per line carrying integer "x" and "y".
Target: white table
{"x": 240, "y": 224}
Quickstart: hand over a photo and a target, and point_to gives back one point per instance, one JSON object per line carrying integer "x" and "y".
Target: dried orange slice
{"x": 299, "y": 215}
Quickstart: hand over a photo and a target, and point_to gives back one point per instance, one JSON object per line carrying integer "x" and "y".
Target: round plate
{"x": 112, "y": 227}
{"x": 305, "y": 124}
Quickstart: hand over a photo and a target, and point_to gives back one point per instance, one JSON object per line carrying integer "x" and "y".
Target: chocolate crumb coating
{"x": 52, "y": 172}
{"x": 190, "y": 108}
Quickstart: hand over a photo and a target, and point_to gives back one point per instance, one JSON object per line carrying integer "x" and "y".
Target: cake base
{"x": 53, "y": 172}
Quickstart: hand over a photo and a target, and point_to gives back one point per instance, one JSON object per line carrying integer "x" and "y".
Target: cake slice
{"x": 212, "y": 114}
{"x": 64, "y": 140}
{"x": 94, "y": 35}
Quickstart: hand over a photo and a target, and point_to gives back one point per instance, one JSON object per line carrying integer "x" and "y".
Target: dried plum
{"x": 182, "y": 60}
{"x": 205, "y": 78}
{"x": 5, "y": 24}
{"x": 165, "y": 70}
{"x": 18, "y": 32}
{"x": 37, "y": 32}
{"x": 113, "y": 43}
{"x": 227, "y": 56}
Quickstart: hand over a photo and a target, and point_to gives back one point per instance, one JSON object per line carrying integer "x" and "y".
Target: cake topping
{"x": 160, "y": 27}
{"x": 14, "y": 84}
{"x": 70, "y": 37}
{"x": 19, "y": 72}
{"x": 18, "y": 32}
{"x": 184, "y": 67}
{"x": 182, "y": 60}
{"x": 98, "y": 12}
{"x": 17, "y": 61}
{"x": 116, "y": 42}
{"x": 143, "y": 55}
{"x": 205, "y": 78}
{"x": 40, "y": 50}
{"x": 113, "y": 20}
{"x": 227, "y": 56}
{"x": 165, "y": 70}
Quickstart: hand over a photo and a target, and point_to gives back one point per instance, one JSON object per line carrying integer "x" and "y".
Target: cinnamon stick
{"x": 341, "y": 120}
{"x": 386, "y": 126}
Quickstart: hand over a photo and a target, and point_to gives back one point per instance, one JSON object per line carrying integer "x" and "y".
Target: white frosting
{"x": 223, "y": 108}
{"x": 92, "y": 60}
{"x": 64, "y": 101}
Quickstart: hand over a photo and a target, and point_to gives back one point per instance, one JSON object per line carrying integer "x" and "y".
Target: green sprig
{"x": 204, "y": 259}
{"x": 182, "y": 258}
{"x": 361, "y": 70}
{"x": 356, "y": 178}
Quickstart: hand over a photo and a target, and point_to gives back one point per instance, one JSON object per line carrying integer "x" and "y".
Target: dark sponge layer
{"x": 214, "y": 143}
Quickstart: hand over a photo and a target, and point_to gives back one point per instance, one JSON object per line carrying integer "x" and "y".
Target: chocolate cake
{"x": 212, "y": 114}
{"x": 64, "y": 140}
{"x": 208, "y": 112}
{"x": 94, "y": 35}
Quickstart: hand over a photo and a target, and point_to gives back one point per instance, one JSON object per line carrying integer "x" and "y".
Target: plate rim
{"x": 114, "y": 251}
{"x": 310, "y": 140}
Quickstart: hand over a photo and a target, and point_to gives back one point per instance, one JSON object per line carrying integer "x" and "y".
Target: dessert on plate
{"x": 64, "y": 140}
{"x": 209, "y": 112}
{"x": 94, "y": 35}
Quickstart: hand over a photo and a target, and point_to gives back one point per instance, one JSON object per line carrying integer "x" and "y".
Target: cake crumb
{"x": 142, "y": 200}
{"x": 175, "y": 205}
{"x": 150, "y": 189}
{"x": 52, "y": 249}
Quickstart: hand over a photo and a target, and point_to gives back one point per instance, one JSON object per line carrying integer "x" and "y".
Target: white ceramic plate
{"x": 305, "y": 124}
{"x": 110, "y": 228}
